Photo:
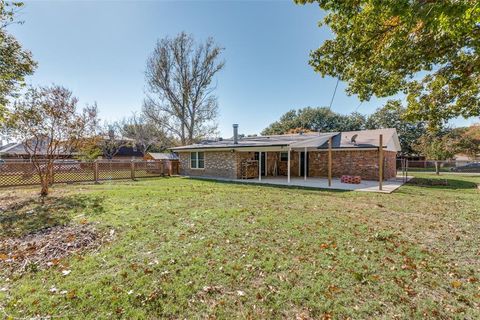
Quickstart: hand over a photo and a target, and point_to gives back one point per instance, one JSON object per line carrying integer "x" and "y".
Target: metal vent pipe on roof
{"x": 235, "y": 133}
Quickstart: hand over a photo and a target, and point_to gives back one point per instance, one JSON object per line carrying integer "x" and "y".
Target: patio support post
{"x": 266, "y": 164}
{"x": 305, "y": 165}
{"x": 330, "y": 162}
{"x": 260, "y": 166}
{"x": 288, "y": 166}
{"x": 299, "y": 163}
{"x": 380, "y": 163}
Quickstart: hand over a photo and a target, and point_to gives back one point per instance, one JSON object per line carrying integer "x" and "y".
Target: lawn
{"x": 185, "y": 248}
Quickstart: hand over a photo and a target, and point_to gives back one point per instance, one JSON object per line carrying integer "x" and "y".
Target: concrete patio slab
{"x": 321, "y": 183}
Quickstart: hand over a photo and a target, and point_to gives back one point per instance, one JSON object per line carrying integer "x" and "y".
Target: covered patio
{"x": 302, "y": 178}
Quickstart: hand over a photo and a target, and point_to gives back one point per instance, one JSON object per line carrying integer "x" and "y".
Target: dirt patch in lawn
{"x": 49, "y": 246}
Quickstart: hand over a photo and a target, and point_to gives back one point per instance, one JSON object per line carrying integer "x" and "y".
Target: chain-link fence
{"x": 432, "y": 166}
{"x": 19, "y": 173}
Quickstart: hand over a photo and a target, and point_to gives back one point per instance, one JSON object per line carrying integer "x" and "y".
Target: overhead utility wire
{"x": 334, "y": 92}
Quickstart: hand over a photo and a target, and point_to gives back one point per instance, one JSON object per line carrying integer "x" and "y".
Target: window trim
{"x": 286, "y": 153}
{"x": 196, "y": 160}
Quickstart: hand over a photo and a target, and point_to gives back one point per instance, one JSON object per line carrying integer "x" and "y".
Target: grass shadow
{"x": 442, "y": 183}
{"x": 31, "y": 215}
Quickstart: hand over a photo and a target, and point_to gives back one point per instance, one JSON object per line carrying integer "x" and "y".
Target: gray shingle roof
{"x": 362, "y": 139}
{"x": 7, "y": 146}
{"x": 18, "y": 149}
{"x": 163, "y": 156}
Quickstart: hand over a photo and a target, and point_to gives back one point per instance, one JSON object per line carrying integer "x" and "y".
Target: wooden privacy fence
{"x": 21, "y": 173}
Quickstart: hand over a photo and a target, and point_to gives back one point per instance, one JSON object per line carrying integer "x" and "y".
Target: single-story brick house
{"x": 293, "y": 155}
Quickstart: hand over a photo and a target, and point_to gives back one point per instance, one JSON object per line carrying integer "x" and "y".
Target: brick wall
{"x": 294, "y": 161}
{"x": 226, "y": 164}
{"x": 219, "y": 164}
{"x": 359, "y": 163}
{"x": 390, "y": 168}
{"x": 240, "y": 156}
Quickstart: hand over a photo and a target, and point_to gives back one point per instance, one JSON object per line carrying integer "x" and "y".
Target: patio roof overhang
{"x": 313, "y": 143}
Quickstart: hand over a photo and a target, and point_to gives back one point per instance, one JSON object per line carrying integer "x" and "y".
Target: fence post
{"x": 132, "y": 169}
{"x": 406, "y": 170}
{"x": 95, "y": 171}
{"x": 380, "y": 163}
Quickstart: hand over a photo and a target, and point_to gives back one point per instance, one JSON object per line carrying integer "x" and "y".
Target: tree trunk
{"x": 44, "y": 190}
{"x": 50, "y": 174}
{"x": 437, "y": 169}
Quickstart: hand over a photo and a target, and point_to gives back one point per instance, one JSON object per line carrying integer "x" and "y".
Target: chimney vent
{"x": 235, "y": 133}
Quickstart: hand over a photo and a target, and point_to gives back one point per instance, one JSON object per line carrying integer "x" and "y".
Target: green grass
{"x": 199, "y": 249}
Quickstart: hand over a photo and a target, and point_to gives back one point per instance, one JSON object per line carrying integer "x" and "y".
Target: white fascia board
{"x": 241, "y": 149}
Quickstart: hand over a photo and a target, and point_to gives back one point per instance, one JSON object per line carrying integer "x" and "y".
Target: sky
{"x": 98, "y": 49}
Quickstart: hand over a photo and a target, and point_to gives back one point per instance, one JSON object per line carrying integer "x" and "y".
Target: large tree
{"x": 428, "y": 50}
{"x": 111, "y": 139}
{"x": 315, "y": 119}
{"x": 46, "y": 120}
{"x": 466, "y": 141}
{"x": 435, "y": 146}
{"x": 144, "y": 133}
{"x": 392, "y": 115}
{"x": 15, "y": 62}
{"x": 180, "y": 95}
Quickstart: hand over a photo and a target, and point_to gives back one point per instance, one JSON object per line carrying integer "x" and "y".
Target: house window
{"x": 197, "y": 160}
{"x": 283, "y": 156}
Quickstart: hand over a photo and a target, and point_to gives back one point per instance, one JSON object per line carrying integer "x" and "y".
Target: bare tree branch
{"x": 47, "y": 122}
{"x": 180, "y": 96}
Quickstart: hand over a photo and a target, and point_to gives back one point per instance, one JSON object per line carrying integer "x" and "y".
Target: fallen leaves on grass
{"x": 46, "y": 248}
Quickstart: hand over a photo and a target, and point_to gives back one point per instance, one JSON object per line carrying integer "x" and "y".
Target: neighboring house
{"x": 466, "y": 158}
{"x": 4, "y": 149}
{"x": 161, "y": 156}
{"x": 127, "y": 152}
{"x": 18, "y": 151}
{"x": 292, "y": 155}
{"x": 168, "y": 160}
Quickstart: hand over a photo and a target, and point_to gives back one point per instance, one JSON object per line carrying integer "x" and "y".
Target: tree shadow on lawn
{"x": 442, "y": 183}
{"x": 31, "y": 215}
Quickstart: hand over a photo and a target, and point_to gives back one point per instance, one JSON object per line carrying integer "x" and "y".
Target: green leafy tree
{"x": 89, "y": 149}
{"x": 15, "y": 62}
{"x": 428, "y": 50}
{"x": 466, "y": 141}
{"x": 315, "y": 119}
{"x": 435, "y": 147}
{"x": 392, "y": 115}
